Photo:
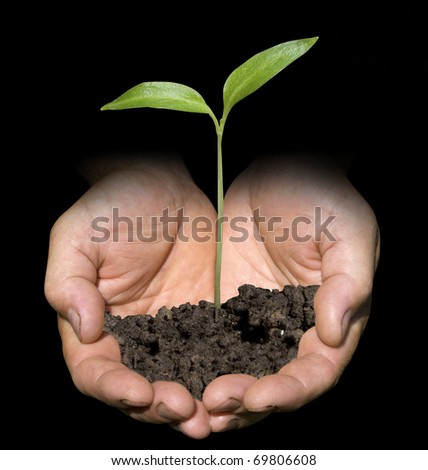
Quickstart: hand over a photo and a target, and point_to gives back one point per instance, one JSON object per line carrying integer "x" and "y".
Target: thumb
{"x": 348, "y": 269}
{"x": 340, "y": 301}
{"x": 80, "y": 302}
{"x": 70, "y": 285}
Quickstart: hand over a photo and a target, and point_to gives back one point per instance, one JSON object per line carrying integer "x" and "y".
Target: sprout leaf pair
{"x": 243, "y": 81}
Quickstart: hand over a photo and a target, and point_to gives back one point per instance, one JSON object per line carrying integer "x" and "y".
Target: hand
{"x": 341, "y": 254}
{"x": 116, "y": 270}
{"x": 84, "y": 276}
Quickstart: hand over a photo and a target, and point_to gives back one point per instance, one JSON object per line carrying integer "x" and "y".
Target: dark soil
{"x": 256, "y": 333}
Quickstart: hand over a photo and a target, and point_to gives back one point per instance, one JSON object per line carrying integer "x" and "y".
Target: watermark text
{"x": 171, "y": 227}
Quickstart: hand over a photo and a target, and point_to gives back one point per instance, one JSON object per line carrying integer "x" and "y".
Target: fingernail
{"x": 74, "y": 319}
{"x": 175, "y": 426}
{"x": 231, "y": 425}
{"x": 264, "y": 409}
{"x": 133, "y": 404}
{"x": 229, "y": 405}
{"x": 346, "y": 321}
{"x": 165, "y": 412}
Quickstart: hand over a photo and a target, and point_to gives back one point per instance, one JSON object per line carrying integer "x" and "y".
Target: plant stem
{"x": 219, "y": 241}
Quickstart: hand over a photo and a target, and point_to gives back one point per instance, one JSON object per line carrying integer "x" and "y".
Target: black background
{"x": 360, "y": 89}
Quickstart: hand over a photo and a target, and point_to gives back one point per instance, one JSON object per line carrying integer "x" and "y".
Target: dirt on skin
{"x": 256, "y": 333}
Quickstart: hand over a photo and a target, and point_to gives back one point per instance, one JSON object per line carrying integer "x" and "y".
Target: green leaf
{"x": 257, "y": 70}
{"x": 167, "y": 95}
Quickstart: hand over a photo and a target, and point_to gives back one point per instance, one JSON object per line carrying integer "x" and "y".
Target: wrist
{"x": 307, "y": 162}
{"x": 95, "y": 169}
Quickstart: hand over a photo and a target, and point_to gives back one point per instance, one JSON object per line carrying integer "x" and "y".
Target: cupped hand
{"x": 297, "y": 221}
{"x": 289, "y": 222}
{"x": 126, "y": 246}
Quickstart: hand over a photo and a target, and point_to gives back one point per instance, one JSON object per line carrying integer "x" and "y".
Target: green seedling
{"x": 243, "y": 81}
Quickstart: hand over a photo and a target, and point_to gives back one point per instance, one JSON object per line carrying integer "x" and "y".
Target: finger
{"x": 316, "y": 370}
{"x": 348, "y": 268}
{"x": 97, "y": 371}
{"x": 198, "y": 425}
{"x": 337, "y": 300}
{"x": 225, "y": 394}
{"x": 81, "y": 303}
{"x": 231, "y": 421}
{"x": 172, "y": 403}
{"x": 223, "y": 399}
{"x": 70, "y": 287}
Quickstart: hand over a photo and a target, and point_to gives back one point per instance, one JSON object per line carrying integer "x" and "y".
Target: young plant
{"x": 243, "y": 81}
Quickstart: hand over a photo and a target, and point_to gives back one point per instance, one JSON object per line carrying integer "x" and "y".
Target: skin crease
{"x": 83, "y": 278}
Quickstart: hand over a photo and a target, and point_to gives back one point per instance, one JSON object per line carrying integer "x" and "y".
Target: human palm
{"x": 312, "y": 227}
{"x": 130, "y": 276}
{"x": 89, "y": 272}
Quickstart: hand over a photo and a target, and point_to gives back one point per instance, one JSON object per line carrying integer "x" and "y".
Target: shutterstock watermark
{"x": 171, "y": 227}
